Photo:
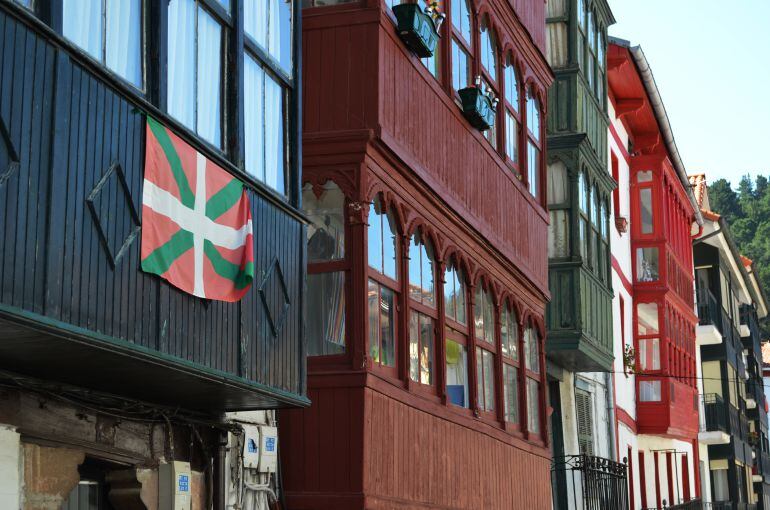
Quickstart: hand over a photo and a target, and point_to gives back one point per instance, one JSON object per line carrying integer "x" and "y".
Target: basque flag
{"x": 196, "y": 220}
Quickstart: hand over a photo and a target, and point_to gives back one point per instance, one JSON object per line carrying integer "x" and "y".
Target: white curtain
{"x": 209, "y": 78}
{"x": 274, "y": 153}
{"x": 124, "y": 39}
{"x": 253, "y": 105}
{"x": 82, "y": 24}
{"x": 181, "y": 61}
{"x": 280, "y": 32}
{"x": 255, "y": 20}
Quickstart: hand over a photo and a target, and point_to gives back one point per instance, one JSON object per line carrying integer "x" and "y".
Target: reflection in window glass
{"x": 421, "y": 348}
{"x": 646, "y": 264}
{"x": 326, "y": 313}
{"x": 511, "y": 390}
{"x": 509, "y": 333}
{"x": 488, "y": 49}
{"x": 533, "y": 405}
{"x": 645, "y": 203}
{"x": 485, "y": 375}
{"x": 533, "y": 166}
{"x": 511, "y": 137}
{"x": 647, "y": 318}
{"x": 381, "y": 324}
{"x": 461, "y": 18}
{"x": 421, "y": 286}
{"x": 558, "y": 234}
{"x": 454, "y": 293}
{"x": 531, "y": 350}
{"x": 268, "y": 23}
{"x": 649, "y": 391}
{"x": 326, "y": 232}
{"x": 484, "y": 316}
{"x": 649, "y": 354}
{"x": 457, "y": 373}
{"x": 460, "y": 67}
{"x": 511, "y": 86}
{"x": 382, "y": 240}
{"x": 108, "y": 30}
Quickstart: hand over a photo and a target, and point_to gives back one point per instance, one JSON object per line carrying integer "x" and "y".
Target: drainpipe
{"x": 608, "y": 390}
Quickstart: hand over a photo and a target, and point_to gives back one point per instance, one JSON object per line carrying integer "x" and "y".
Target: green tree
{"x": 724, "y": 200}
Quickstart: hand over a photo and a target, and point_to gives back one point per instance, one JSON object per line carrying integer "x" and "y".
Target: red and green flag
{"x": 196, "y": 220}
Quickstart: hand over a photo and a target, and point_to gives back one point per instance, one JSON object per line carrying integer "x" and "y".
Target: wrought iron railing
{"x": 585, "y": 482}
{"x": 708, "y": 310}
{"x": 693, "y": 504}
{"x": 713, "y": 416}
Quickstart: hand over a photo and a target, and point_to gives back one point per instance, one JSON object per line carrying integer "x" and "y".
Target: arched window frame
{"x": 423, "y": 309}
{"x": 328, "y": 271}
{"x": 461, "y": 42}
{"x": 457, "y": 327}
{"x": 485, "y": 335}
{"x": 511, "y": 349}
{"x": 489, "y": 68}
{"x": 511, "y": 102}
{"x": 384, "y": 288}
{"x": 534, "y": 143}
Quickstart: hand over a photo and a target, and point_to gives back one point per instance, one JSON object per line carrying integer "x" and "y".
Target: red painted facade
{"x": 661, "y": 220}
{"x": 381, "y": 127}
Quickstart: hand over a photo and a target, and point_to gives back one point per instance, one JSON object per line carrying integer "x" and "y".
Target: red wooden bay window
{"x": 456, "y": 319}
{"x": 422, "y": 310}
{"x": 383, "y": 249}
{"x": 484, "y": 322}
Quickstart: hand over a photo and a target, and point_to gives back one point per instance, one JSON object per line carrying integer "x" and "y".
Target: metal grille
{"x": 589, "y": 483}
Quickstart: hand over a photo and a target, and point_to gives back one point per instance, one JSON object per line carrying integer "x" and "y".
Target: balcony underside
{"x": 713, "y": 437}
{"x": 708, "y": 335}
{"x": 577, "y": 353}
{"x": 63, "y": 353}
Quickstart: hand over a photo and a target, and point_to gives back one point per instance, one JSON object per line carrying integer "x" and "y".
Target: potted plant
{"x": 479, "y": 107}
{"x": 418, "y": 28}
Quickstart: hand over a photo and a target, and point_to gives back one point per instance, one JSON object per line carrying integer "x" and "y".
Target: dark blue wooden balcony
{"x": 74, "y": 305}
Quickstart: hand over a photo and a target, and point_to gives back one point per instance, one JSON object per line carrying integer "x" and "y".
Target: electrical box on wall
{"x": 252, "y": 446}
{"x": 174, "y": 486}
{"x": 268, "y": 452}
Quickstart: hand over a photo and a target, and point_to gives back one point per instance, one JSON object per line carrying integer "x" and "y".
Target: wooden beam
{"x": 625, "y": 106}
{"x": 647, "y": 142}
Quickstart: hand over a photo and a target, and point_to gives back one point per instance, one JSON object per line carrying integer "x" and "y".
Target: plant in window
{"x": 418, "y": 27}
{"x": 479, "y": 105}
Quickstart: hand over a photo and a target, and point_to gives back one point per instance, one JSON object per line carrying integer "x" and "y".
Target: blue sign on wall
{"x": 270, "y": 444}
{"x": 184, "y": 483}
{"x": 252, "y": 446}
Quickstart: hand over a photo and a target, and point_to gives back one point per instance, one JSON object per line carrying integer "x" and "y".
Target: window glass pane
{"x": 268, "y": 23}
{"x": 533, "y": 167}
{"x": 649, "y": 354}
{"x": 181, "y": 61}
{"x": 581, "y": 12}
{"x": 583, "y": 192}
{"x": 645, "y": 206}
{"x": 511, "y": 387}
{"x": 488, "y": 50}
{"x": 387, "y": 330}
{"x": 558, "y": 234}
{"x": 82, "y": 24}
{"x": 421, "y": 348}
{"x": 509, "y": 333}
{"x": 646, "y": 264}
{"x": 124, "y": 39}
{"x": 254, "y": 117}
{"x": 326, "y": 313}
{"x": 489, "y": 319}
{"x": 426, "y": 260}
{"x": 374, "y": 235}
{"x": 373, "y": 296}
{"x": 389, "y": 245}
{"x": 533, "y": 405}
{"x": 649, "y": 391}
{"x": 558, "y": 183}
{"x": 531, "y": 350}
{"x": 256, "y": 20}
{"x": 647, "y": 318}
{"x": 274, "y": 135}
{"x": 533, "y": 115}
{"x": 326, "y": 232}
{"x": 644, "y": 176}
{"x": 381, "y": 240}
{"x": 461, "y": 18}
{"x": 421, "y": 270}
{"x": 457, "y": 373}
{"x": 460, "y": 67}
{"x": 485, "y": 374}
{"x": 583, "y": 226}
{"x": 511, "y": 137}
{"x": 209, "y": 77}
{"x": 511, "y": 86}
{"x": 454, "y": 294}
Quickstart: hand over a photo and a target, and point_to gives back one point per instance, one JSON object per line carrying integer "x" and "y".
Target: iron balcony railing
{"x": 585, "y": 482}
{"x": 713, "y": 416}
{"x": 693, "y": 504}
{"x": 708, "y": 310}
{"x": 749, "y": 318}
{"x": 728, "y": 505}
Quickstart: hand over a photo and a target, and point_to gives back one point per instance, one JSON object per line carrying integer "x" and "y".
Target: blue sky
{"x": 710, "y": 61}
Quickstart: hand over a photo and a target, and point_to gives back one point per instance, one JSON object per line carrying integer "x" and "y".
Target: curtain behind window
{"x": 83, "y": 25}
{"x": 181, "y": 61}
{"x": 209, "y": 93}
{"x": 124, "y": 39}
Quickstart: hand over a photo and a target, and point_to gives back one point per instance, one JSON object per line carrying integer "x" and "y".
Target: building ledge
{"x": 757, "y": 478}
{"x": 713, "y": 437}
{"x": 744, "y": 331}
{"x": 708, "y": 335}
{"x": 751, "y": 403}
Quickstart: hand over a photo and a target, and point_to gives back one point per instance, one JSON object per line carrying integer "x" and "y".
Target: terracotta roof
{"x": 710, "y": 215}
{"x": 766, "y": 353}
{"x": 746, "y": 261}
{"x": 698, "y": 183}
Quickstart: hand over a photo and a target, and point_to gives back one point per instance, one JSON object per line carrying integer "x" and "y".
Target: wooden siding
{"x": 412, "y": 459}
{"x": 69, "y": 129}
{"x": 531, "y": 14}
